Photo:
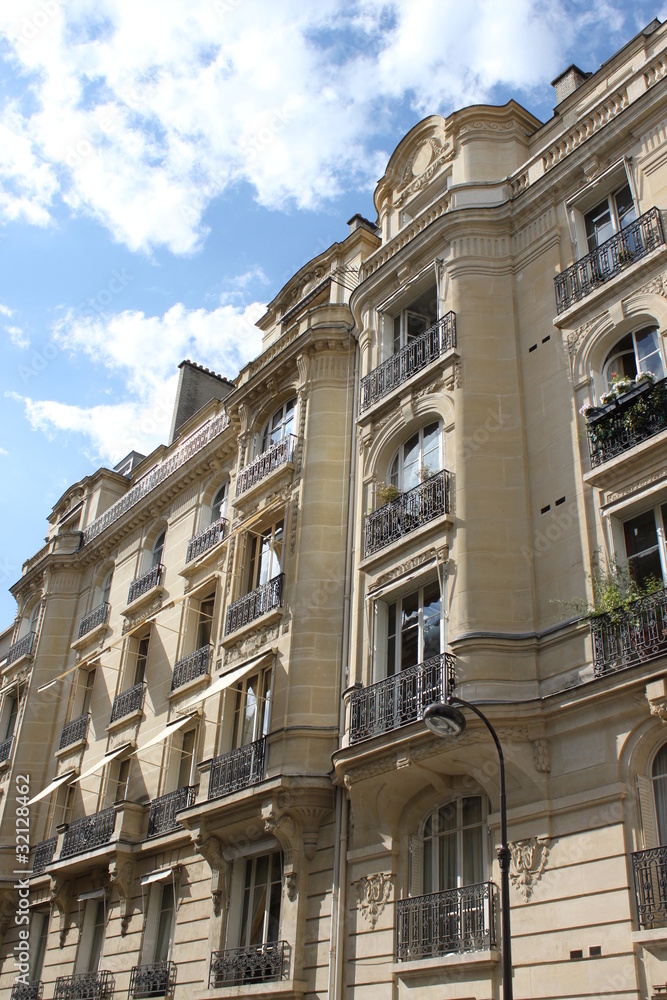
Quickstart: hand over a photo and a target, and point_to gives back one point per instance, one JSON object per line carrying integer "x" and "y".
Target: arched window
{"x": 158, "y": 548}
{"x": 419, "y": 457}
{"x": 219, "y": 505}
{"x": 640, "y": 351}
{"x": 280, "y": 426}
{"x": 453, "y": 845}
{"x": 659, "y": 780}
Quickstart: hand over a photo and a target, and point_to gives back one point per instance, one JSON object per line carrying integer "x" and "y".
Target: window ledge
{"x": 647, "y": 456}
{"x": 446, "y": 360}
{"x": 269, "y": 483}
{"x": 654, "y": 936}
{"x": 125, "y": 720}
{"x": 206, "y": 558}
{"x": 72, "y": 748}
{"x": 197, "y": 682}
{"x": 286, "y": 989}
{"x": 146, "y": 598}
{"x": 426, "y": 966}
{"x": 89, "y": 638}
{"x": 576, "y": 315}
{"x": 256, "y": 625}
{"x": 413, "y": 539}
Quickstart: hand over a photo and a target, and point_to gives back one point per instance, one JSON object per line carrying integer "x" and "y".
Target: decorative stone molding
{"x": 291, "y": 885}
{"x": 252, "y": 642}
{"x": 373, "y": 892}
{"x": 121, "y": 877}
{"x": 528, "y": 860}
{"x": 405, "y": 567}
{"x": 656, "y": 696}
{"x": 131, "y": 621}
{"x": 211, "y": 850}
{"x": 542, "y": 755}
{"x": 61, "y": 898}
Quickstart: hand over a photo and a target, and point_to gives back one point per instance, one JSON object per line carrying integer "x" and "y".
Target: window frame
{"x": 584, "y": 201}
{"x": 418, "y": 883}
{"x": 396, "y": 466}
{"x": 219, "y": 502}
{"x": 286, "y": 414}
{"x": 275, "y": 536}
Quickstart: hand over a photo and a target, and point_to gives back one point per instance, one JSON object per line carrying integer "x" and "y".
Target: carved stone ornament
{"x": 528, "y": 861}
{"x": 133, "y": 620}
{"x": 542, "y": 755}
{"x": 373, "y": 892}
{"x": 252, "y": 642}
{"x": 291, "y": 885}
{"x": 211, "y": 850}
{"x": 61, "y": 898}
{"x": 121, "y": 877}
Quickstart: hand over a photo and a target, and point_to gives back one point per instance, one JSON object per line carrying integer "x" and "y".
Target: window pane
{"x": 640, "y": 533}
{"x": 391, "y": 640}
{"x": 98, "y": 939}
{"x": 472, "y": 856}
{"x": 411, "y": 462}
{"x": 448, "y": 817}
{"x": 410, "y": 630}
{"x": 431, "y": 621}
{"x": 431, "y": 448}
{"x": 447, "y": 856}
{"x": 428, "y": 863}
{"x": 625, "y": 207}
{"x": 416, "y": 325}
{"x": 164, "y": 926}
{"x": 472, "y": 811}
{"x": 599, "y": 226}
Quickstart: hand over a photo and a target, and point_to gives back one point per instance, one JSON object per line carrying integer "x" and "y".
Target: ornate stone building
{"x": 216, "y": 679}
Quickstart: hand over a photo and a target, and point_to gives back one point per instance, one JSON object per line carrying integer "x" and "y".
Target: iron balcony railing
{"x": 144, "y": 583}
{"x": 627, "y": 421}
{"x": 24, "y": 647}
{"x": 206, "y": 539}
{"x": 89, "y": 832}
{"x": 190, "y": 667}
{"x": 155, "y": 980}
{"x": 408, "y": 361}
{"x": 44, "y": 853}
{"x": 649, "y": 871}
{"x": 443, "y": 923}
{"x": 85, "y": 986}
{"x": 74, "y": 731}
{"x": 185, "y": 451}
{"x": 407, "y": 512}
{"x": 255, "y": 604}
{"x": 632, "y": 243}
{"x": 632, "y": 636}
{"x": 258, "y": 963}
{"x": 401, "y": 699}
{"x": 238, "y": 769}
{"x": 278, "y": 454}
{"x": 98, "y": 616}
{"x": 162, "y": 814}
{"x": 27, "y": 991}
{"x": 6, "y": 749}
{"x": 127, "y": 702}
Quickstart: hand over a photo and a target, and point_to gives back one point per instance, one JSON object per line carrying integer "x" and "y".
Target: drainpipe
{"x": 336, "y": 940}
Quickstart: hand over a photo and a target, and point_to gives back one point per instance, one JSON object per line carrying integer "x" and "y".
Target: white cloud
{"x": 3, "y": 451}
{"x": 141, "y": 114}
{"x": 18, "y": 337}
{"x": 144, "y": 351}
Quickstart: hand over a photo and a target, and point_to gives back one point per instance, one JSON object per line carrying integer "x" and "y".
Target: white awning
{"x": 227, "y": 680}
{"x": 398, "y": 581}
{"x": 159, "y": 876}
{"x": 104, "y": 761}
{"x": 60, "y": 780}
{"x": 165, "y": 733}
{"x": 92, "y": 894}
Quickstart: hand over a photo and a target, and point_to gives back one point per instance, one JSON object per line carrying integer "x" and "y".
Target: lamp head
{"x": 444, "y": 720}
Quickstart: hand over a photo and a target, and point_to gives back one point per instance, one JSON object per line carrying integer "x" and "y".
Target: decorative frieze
{"x": 601, "y": 115}
{"x": 542, "y": 755}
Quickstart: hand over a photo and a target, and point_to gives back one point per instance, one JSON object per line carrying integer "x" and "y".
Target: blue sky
{"x": 165, "y": 167}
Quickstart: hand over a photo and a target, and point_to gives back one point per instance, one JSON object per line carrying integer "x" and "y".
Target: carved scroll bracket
{"x": 373, "y": 892}
{"x": 528, "y": 860}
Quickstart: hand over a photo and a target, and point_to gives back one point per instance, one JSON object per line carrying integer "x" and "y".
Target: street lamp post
{"x": 445, "y": 719}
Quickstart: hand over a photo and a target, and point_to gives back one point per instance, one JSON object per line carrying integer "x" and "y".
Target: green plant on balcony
{"x": 386, "y": 493}
{"x": 614, "y": 593}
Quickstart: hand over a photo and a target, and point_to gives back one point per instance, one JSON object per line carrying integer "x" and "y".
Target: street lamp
{"x": 445, "y": 719}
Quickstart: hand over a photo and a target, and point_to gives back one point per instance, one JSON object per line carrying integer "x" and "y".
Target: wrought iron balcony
{"x": 408, "y": 361}
{"x": 98, "y": 616}
{"x": 649, "y": 870}
{"x": 127, "y": 702}
{"x": 44, "y": 853}
{"x": 628, "y": 638}
{"x": 627, "y": 421}
{"x": 632, "y": 243}
{"x": 85, "y": 986}
{"x": 259, "y": 963}
{"x": 255, "y": 604}
{"x": 27, "y": 991}
{"x": 155, "y": 980}
{"x": 144, "y": 583}
{"x": 162, "y": 814}
{"x": 6, "y": 749}
{"x": 444, "y": 923}
{"x": 74, "y": 731}
{"x": 189, "y": 447}
{"x": 408, "y": 512}
{"x": 400, "y": 699}
{"x": 89, "y": 832}
{"x": 24, "y": 647}
{"x": 206, "y": 539}
{"x": 194, "y": 665}
{"x": 236, "y": 770}
{"x": 275, "y": 456}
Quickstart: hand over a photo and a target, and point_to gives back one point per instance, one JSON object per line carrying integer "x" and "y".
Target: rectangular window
{"x": 122, "y": 779}
{"x": 251, "y": 714}
{"x": 411, "y": 323}
{"x": 91, "y": 943}
{"x": 205, "y": 621}
{"x": 39, "y": 932}
{"x": 9, "y": 714}
{"x": 644, "y": 537}
{"x": 266, "y": 556}
{"x": 260, "y": 920}
{"x": 86, "y": 692}
{"x": 62, "y": 810}
{"x": 414, "y": 628}
{"x": 165, "y": 924}
{"x": 141, "y": 659}
{"x": 186, "y": 761}
{"x": 609, "y": 217}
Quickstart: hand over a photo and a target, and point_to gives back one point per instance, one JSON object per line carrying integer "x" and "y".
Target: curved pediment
{"x": 415, "y": 162}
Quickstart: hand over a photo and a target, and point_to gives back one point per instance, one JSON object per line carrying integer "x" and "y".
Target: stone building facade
{"x": 213, "y": 692}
